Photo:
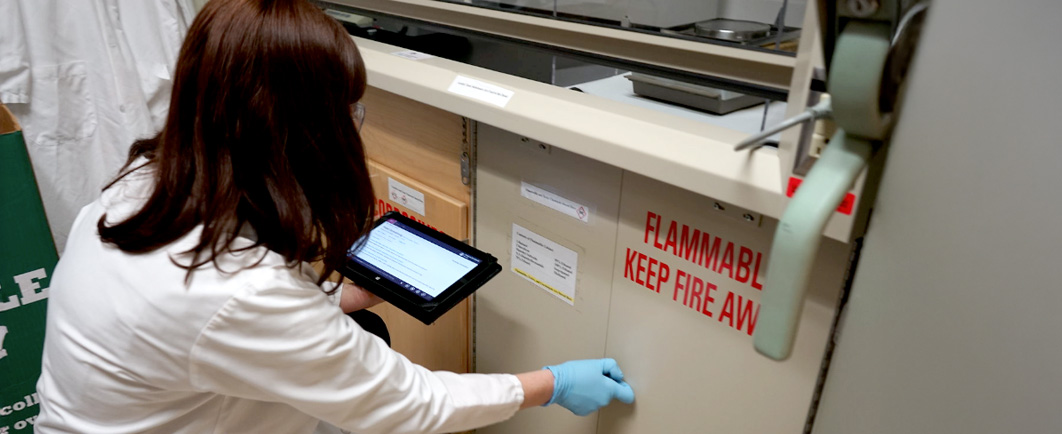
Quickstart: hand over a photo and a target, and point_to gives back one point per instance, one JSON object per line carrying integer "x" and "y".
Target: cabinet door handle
{"x": 797, "y": 239}
{"x": 856, "y": 73}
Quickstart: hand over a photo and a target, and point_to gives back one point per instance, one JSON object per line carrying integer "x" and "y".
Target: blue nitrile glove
{"x": 583, "y": 386}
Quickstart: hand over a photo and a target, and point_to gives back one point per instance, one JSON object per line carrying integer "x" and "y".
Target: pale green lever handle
{"x": 797, "y": 239}
{"x": 855, "y": 83}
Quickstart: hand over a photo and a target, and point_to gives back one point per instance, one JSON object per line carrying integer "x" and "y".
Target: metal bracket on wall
{"x": 466, "y": 168}
{"x": 467, "y": 137}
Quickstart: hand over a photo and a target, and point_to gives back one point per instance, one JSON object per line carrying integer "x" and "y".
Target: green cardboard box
{"x": 27, "y": 258}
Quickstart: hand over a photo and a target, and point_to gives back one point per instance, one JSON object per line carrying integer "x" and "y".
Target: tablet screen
{"x": 413, "y": 260}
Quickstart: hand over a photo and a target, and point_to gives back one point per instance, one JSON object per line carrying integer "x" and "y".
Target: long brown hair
{"x": 259, "y": 133}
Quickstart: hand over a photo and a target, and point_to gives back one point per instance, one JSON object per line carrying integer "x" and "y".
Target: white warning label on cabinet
{"x": 482, "y": 91}
{"x": 405, "y": 195}
{"x": 545, "y": 263}
{"x": 555, "y": 201}
{"x": 412, "y": 55}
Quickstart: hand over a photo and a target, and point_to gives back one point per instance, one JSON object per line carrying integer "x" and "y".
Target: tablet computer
{"x": 417, "y": 269}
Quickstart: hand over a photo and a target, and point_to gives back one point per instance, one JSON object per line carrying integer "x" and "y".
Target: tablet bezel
{"x": 424, "y": 310}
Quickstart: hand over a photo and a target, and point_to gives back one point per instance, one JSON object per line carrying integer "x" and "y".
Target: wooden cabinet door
{"x": 413, "y": 147}
{"x": 444, "y": 344}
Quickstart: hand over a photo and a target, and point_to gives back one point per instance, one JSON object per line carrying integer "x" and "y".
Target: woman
{"x": 183, "y": 302}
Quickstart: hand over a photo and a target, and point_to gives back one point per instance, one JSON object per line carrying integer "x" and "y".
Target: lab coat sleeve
{"x": 287, "y": 343}
{"x": 336, "y": 296}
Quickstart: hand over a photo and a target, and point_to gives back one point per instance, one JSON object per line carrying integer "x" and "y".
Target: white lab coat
{"x": 130, "y": 347}
{"x": 86, "y": 78}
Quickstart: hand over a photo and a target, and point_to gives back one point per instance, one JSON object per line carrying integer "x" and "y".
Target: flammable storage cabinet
{"x": 608, "y": 175}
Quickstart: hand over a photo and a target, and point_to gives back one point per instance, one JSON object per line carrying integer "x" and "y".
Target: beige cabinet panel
{"x": 521, "y": 326}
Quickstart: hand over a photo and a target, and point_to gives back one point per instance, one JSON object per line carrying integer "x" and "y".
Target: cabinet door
{"x": 418, "y": 140}
{"x": 415, "y": 150}
{"x": 685, "y": 301}
{"x": 666, "y": 281}
{"x": 444, "y": 344}
{"x": 522, "y": 325}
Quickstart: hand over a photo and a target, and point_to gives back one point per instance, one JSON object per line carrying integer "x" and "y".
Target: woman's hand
{"x": 584, "y": 386}
{"x": 353, "y": 298}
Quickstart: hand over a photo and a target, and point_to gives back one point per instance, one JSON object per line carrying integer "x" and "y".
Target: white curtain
{"x": 86, "y": 78}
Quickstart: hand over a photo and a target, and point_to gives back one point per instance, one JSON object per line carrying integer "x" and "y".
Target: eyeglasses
{"x": 357, "y": 111}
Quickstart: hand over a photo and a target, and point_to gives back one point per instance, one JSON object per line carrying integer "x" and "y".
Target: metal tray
{"x": 712, "y": 100}
{"x": 732, "y": 30}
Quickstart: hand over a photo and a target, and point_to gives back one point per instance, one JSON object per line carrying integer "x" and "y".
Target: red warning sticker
{"x": 847, "y": 204}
